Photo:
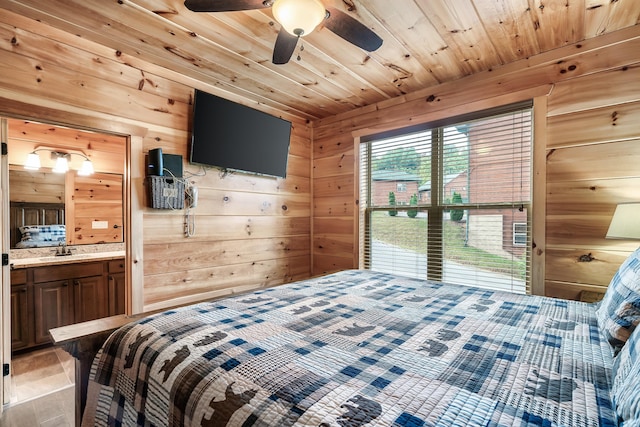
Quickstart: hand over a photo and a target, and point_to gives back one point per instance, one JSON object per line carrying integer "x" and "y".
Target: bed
{"x": 36, "y": 225}
{"x": 360, "y": 348}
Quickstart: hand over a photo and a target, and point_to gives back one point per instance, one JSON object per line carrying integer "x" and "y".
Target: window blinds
{"x": 450, "y": 203}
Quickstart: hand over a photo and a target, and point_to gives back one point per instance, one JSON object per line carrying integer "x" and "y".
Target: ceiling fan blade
{"x": 224, "y": 5}
{"x": 352, "y": 30}
{"x": 284, "y": 47}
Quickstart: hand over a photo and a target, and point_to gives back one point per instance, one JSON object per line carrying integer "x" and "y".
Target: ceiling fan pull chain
{"x": 301, "y": 50}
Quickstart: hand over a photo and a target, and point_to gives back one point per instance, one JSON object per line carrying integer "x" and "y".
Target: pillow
{"x": 29, "y": 232}
{"x": 625, "y": 392}
{"x": 619, "y": 310}
{"x": 34, "y": 236}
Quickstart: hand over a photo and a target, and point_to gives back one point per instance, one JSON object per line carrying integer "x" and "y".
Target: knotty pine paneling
{"x": 342, "y": 226}
{"x": 596, "y": 91}
{"x": 592, "y": 162}
{"x": 159, "y": 227}
{"x": 592, "y": 154}
{"x": 35, "y": 186}
{"x": 193, "y": 254}
{"x": 569, "y": 290}
{"x": 333, "y": 185}
{"x": 332, "y": 262}
{"x": 57, "y": 78}
{"x": 105, "y": 151}
{"x": 607, "y": 124}
{"x": 595, "y": 196}
{"x": 334, "y": 203}
{"x": 213, "y": 281}
{"x": 67, "y": 50}
{"x": 63, "y": 85}
{"x": 97, "y": 197}
{"x": 333, "y": 245}
{"x": 425, "y": 43}
{"x": 215, "y": 179}
{"x": 340, "y": 205}
{"x": 592, "y": 165}
{"x": 447, "y": 99}
{"x": 595, "y": 267}
{"x": 228, "y": 202}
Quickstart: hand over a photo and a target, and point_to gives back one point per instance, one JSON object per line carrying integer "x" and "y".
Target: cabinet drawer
{"x": 67, "y": 271}
{"x": 19, "y": 277}
{"x": 116, "y": 266}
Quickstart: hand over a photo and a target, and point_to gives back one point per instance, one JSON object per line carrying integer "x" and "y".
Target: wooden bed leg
{"x": 83, "y": 341}
{"x": 84, "y": 350}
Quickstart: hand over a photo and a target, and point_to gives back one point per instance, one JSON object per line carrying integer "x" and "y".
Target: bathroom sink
{"x": 62, "y": 258}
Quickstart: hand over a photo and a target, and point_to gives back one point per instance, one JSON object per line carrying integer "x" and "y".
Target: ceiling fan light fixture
{"x": 299, "y": 17}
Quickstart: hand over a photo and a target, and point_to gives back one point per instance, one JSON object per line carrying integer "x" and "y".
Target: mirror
{"x": 90, "y": 207}
{"x": 49, "y": 208}
{"x": 36, "y": 198}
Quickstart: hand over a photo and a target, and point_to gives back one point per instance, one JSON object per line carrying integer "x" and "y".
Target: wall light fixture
{"x": 61, "y": 159}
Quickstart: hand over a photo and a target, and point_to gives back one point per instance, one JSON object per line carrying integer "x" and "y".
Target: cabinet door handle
{"x": 65, "y": 284}
{"x": 76, "y": 282}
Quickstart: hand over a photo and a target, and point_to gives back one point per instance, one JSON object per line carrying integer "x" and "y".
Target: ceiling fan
{"x": 298, "y": 18}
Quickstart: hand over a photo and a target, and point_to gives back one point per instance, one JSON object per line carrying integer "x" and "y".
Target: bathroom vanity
{"x": 52, "y": 291}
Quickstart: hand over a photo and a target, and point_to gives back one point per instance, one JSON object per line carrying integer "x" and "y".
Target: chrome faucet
{"x": 63, "y": 249}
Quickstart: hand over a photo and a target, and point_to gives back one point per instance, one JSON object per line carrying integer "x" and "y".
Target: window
{"x": 401, "y": 187}
{"x": 519, "y": 233}
{"x": 469, "y": 221}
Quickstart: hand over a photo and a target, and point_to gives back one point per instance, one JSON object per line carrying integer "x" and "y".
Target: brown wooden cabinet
{"x": 90, "y": 298}
{"x": 20, "y": 311}
{"x": 116, "y": 287}
{"x": 51, "y": 296}
{"x": 53, "y": 308}
{"x": 19, "y": 317}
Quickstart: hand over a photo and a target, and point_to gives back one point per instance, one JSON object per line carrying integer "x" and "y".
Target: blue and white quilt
{"x": 358, "y": 348}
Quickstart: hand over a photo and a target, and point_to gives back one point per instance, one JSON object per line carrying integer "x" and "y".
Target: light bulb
{"x": 33, "y": 162}
{"x": 299, "y": 17}
{"x": 62, "y": 165}
{"x": 86, "y": 169}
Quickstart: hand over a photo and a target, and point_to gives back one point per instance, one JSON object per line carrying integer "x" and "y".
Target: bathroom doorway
{"x": 98, "y": 238}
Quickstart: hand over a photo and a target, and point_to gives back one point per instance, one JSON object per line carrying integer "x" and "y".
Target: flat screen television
{"x": 228, "y": 135}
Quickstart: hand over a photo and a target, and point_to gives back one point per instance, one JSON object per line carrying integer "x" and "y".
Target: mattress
{"x": 358, "y": 348}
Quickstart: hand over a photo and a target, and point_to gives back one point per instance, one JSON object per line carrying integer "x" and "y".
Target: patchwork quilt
{"x": 358, "y": 348}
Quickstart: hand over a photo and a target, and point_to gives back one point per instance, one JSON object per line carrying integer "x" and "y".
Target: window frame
{"x": 516, "y": 233}
{"x": 436, "y": 206}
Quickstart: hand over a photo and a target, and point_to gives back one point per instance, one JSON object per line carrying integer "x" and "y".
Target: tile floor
{"x": 55, "y": 409}
{"x": 42, "y": 390}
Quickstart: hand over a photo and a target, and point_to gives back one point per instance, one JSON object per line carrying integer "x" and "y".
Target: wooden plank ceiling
{"x": 426, "y": 42}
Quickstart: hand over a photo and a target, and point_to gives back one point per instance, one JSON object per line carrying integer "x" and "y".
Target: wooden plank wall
{"x": 250, "y": 231}
{"x": 35, "y": 186}
{"x": 593, "y": 94}
{"x": 105, "y": 151}
{"x": 593, "y": 158}
{"x": 95, "y": 198}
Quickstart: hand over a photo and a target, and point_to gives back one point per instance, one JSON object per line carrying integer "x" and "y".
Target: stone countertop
{"x": 67, "y": 259}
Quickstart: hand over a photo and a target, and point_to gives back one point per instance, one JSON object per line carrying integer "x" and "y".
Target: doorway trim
{"x": 5, "y": 279}
{"x": 133, "y": 203}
